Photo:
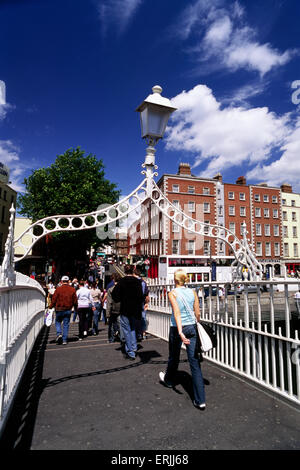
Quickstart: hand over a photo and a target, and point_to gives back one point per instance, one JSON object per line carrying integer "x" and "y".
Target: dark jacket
{"x": 112, "y": 307}
{"x": 129, "y": 293}
{"x": 64, "y": 298}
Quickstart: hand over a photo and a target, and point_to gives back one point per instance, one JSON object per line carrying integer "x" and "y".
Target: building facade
{"x": 271, "y": 214}
{"x": 291, "y": 228}
{"x": 8, "y": 196}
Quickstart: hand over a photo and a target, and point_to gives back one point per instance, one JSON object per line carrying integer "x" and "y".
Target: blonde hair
{"x": 180, "y": 277}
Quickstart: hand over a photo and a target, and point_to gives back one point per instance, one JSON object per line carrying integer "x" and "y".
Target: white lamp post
{"x": 154, "y": 111}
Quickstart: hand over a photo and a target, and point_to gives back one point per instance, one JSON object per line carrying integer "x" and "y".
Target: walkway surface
{"x": 86, "y": 395}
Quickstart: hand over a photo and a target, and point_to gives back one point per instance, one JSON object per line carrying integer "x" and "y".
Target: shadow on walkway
{"x": 19, "y": 429}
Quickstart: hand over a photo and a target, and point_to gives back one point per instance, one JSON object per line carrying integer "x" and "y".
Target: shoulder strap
{"x": 187, "y": 306}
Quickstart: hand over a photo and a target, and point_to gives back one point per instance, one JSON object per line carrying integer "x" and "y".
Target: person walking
{"x": 63, "y": 300}
{"x": 113, "y": 313}
{"x": 297, "y": 302}
{"x": 85, "y": 303}
{"x": 128, "y": 291}
{"x": 183, "y": 329}
{"x": 142, "y": 324}
{"x": 96, "y": 295}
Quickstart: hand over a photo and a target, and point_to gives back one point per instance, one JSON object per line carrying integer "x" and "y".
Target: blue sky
{"x": 75, "y": 71}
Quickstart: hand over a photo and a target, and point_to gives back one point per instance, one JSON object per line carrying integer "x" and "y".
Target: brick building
{"x": 271, "y": 214}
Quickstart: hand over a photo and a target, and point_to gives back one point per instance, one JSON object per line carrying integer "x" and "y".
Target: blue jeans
{"x": 128, "y": 325}
{"x": 175, "y": 343}
{"x": 63, "y": 316}
{"x": 96, "y": 315}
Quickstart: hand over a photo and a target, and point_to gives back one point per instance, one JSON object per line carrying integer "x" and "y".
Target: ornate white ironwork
{"x": 7, "y": 270}
{"x": 148, "y": 189}
{"x": 67, "y": 223}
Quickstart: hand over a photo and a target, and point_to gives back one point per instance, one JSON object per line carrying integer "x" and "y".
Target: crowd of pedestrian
{"x": 121, "y": 306}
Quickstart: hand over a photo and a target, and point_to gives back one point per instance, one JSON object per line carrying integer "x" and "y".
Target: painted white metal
{"x": 22, "y": 308}
{"x": 257, "y": 350}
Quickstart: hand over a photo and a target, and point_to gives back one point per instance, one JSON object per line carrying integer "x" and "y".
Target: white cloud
{"x": 287, "y": 167}
{"x": 9, "y": 155}
{"x": 220, "y": 137}
{"x": 224, "y": 40}
{"x": 117, "y": 13}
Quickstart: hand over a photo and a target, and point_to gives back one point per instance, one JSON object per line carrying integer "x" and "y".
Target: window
{"x": 231, "y": 210}
{"x": 257, "y": 212}
{"x": 175, "y": 188}
{"x": 293, "y": 203}
{"x": 274, "y": 199}
{"x": 191, "y": 206}
{"x": 275, "y": 213}
{"x": 206, "y": 228}
{"x": 231, "y": 195}
{"x": 267, "y": 230}
{"x": 285, "y": 231}
{"x": 175, "y": 228}
{"x": 268, "y": 249}
{"x": 294, "y": 232}
{"x": 277, "y": 249}
{"x": 266, "y": 198}
{"x": 242, "y": 211}
{"x": 295, "y": 249}
{"x": 284, "y": 202}
{"x": 207, "y": 247}
{"x": 286, "y": 249}
{"x": 276, "y": 230}
{"x": 206, "y": 207}
{"x": 242, "y": 197}
{"x": 176, "y": 204}
{"x": 284, "y": 215}
{"x": 3, "y": 214}
{"x": 220, "y": 210}
{"x": 4, "y": 195}
{"x": 175, "y": 247}
{"x": 256, "y": 197}
{"x": 294, "y": 216}
{"x": 258, "y": 248}
{"x": 206, "y": 190}
{"x": 266, "y": 213}
{"x": 191, "y": 189}
{"x": 258, "y": 229}
{"x": 191, "y": 247}
{"x": 232, "y": 227}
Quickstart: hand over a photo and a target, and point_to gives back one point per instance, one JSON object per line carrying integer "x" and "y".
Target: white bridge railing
{"x": 22, "y": 308}
{"x": 257, "y": 330}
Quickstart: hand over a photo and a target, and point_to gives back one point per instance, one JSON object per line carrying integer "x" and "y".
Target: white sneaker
{"x": 200, "y": 406}
{"x": 162, "y": 379}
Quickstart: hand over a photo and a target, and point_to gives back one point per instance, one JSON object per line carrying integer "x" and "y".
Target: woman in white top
{"x": 85, "y": 303}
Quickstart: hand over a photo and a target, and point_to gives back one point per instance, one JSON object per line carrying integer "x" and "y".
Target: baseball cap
{"x": 65, "y": 278}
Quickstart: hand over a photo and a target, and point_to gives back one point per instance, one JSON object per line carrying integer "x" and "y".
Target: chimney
{"x": 184, "y": 169}
{"x": 241, "y": 180}
{"x": 265, "y": 185}
{"x": 218, "y": 177}
{"x": 286, "y": 188}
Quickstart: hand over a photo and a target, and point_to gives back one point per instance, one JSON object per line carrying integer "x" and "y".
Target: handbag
{"x": 49, "y": 316}
{"x": 207, "y": 336}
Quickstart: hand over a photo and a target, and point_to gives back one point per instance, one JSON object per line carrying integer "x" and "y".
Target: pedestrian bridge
{"x": 87, "y": 396}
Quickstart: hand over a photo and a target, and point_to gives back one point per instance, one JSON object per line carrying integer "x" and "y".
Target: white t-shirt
{"x": 84, "y": 297}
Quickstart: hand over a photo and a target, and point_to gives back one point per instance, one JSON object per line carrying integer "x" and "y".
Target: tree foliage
{"x": 73, "y": 184}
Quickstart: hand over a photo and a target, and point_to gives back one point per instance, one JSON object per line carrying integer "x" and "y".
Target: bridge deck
{"x": 87, "y": 396}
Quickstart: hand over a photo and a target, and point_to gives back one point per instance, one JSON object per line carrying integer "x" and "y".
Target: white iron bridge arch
{"x": 148, "y": 190}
